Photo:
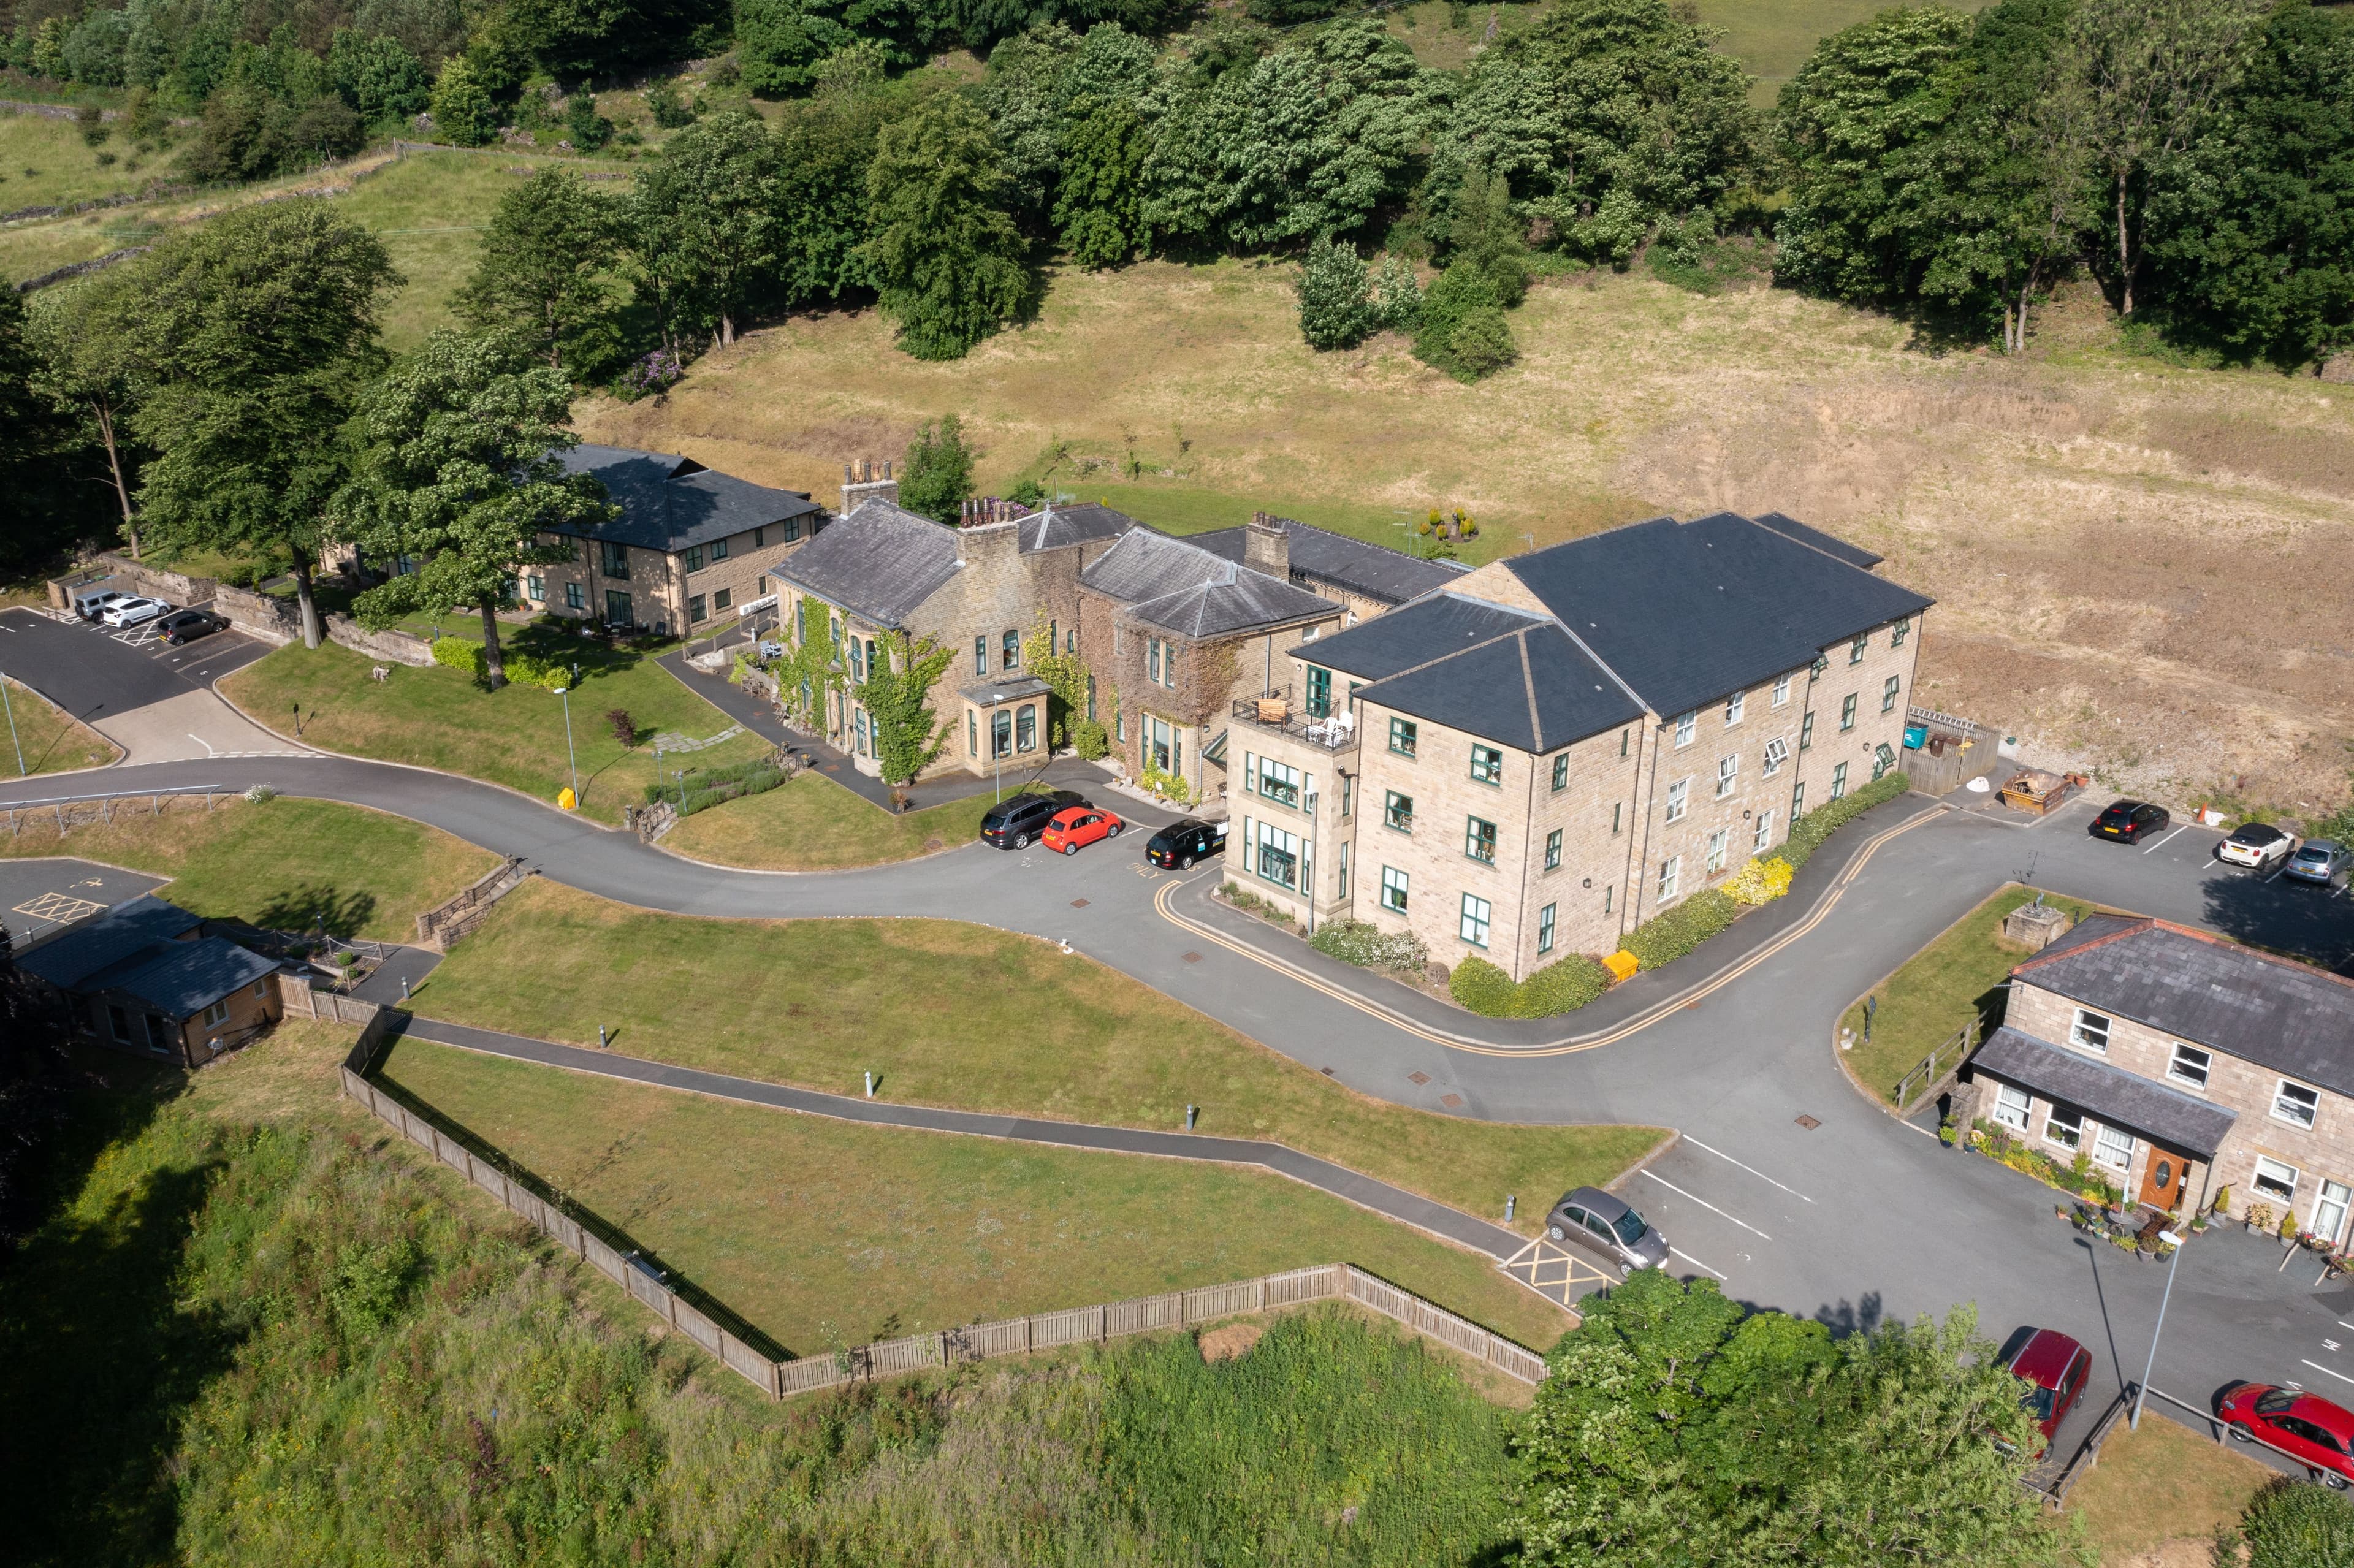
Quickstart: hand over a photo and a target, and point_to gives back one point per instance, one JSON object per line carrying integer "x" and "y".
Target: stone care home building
{"x": 2181, "y": 1063}
{"x": 1531, "y": 759}
{"x": 691, "y": 547}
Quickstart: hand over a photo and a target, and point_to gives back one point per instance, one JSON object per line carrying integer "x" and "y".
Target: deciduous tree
{"x": 936, "y": 477}
{"x": 546, "y": 271}
{"x": 950, "y": 263}
{"x": 702, "y": 221}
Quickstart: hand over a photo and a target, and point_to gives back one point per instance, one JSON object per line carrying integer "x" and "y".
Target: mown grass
{"x": 1952, "y": 981}
{"x": 45, "y": 739}
{"x": 2161, "y": 1483}
{"x": 254, "y": 1330}
{"x": 811, "y": 823}
{"x": 825, "y": 1235}
{"x": 286, "y": 864}
{"x": 952, "y": 1015}
{"x": 438, "y": 718}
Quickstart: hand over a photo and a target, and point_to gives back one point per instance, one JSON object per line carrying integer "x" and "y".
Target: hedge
{"x": 1368, "y": 946}
{"x": 526, "y": 670}
{"x": 2295, "y": 1524}
{"x": 707, "y": 787}
{"x": 460, "y": 655}
{"x": 1479, "y": 986}
{"x": 1663, "y": 939}
{"x": 1807, "y": 833}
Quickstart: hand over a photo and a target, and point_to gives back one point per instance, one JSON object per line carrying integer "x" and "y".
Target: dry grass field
{"x": 2141, "y": 568}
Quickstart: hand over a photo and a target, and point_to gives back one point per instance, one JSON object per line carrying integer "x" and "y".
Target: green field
{"x": 286, "y": 864}
{"x": 951, "y": 1015}
{"x": 815, "y": 824}
{"x": 45, "y": 163}
{"x": 438, "y": 717}
{"x": 43, "y": 739}
{"x": 825, "y": 1235}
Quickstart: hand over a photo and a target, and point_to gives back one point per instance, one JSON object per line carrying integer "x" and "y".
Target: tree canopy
{"x": 546, "y": 273}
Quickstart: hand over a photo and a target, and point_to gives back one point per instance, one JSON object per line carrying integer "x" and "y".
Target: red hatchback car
{"x": 2315, "y": 1431}
{"x": 1079, "y": 825}
{"x": 2055, "y": 1367}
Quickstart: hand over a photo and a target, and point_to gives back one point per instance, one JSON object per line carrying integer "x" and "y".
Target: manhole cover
{"x": 1418, "y": 1077}
{"x": 1452, "y": 1102}
{"x": 1809, "y": 1123}
{"x": 1193, "y": 958}
{"x": 1078, "y": 904}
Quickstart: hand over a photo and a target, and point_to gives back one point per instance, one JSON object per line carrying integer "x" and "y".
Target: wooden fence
{"x": 445, "y": 923}
{"x": 917, "y": 1352}
{"x": 1932, "y": 1071}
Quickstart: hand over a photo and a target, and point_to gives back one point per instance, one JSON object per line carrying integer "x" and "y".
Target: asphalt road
{"x": 1855, "y": 1219}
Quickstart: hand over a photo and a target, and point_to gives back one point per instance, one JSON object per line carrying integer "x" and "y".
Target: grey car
{"x": 2320, "y": 860}
{"x": 1601, "y": 1223}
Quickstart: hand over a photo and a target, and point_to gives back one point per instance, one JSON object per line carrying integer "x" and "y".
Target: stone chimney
{"x": 1266, "y": 546}
{"x": 865, "y": 480}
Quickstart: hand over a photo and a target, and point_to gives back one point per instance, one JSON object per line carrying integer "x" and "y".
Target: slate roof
{"x": 880, "y": 562}
{"x": 1531, "y": 687}
{"x": 1174, "y": 585}
{"x": 669, "y": 502}
{"x": 1838, "y": 550}
{"x": 70, "y": 957}
{"x": 1440, "y": 625}
{"x": 2112, "y": 1095}
{"x": 179, "y": 978}
{"x": 1688, "y": 613}
{"x": 1376, "y": 571}
{"x": 1060, "y": 525}
{"x": 2277, "y": 1013}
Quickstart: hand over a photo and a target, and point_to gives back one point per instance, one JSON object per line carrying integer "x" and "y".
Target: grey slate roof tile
{"x": 1531, "y": 688}
{"x": 881, "y": 562}
{"x": 1376, "y": 571}
{"x": 178, "y": 978}
{"x": 70, "y": 957}
{"x": 1056, "y": 526}
{"x": 669, "y": 502}
{"x": 1170, "y": 583}
{"x": 1838, "y": 550}
{"x": 2112, "y": 1096}
{"x": 2272, "y": 1011}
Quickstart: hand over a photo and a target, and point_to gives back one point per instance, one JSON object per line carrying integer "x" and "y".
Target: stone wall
{"x": 261, "y": 615}
{"x": 400, "y": 647}
{"x": 174, "y": 587}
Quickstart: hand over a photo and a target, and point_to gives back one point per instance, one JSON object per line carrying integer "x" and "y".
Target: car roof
{"x": 2328, "y": 846}
{"x": 2045, "y": 1358}
{"x": 1594, "y": 1201}
{"x": 2124, "y": 806}
{"x": 2256, "y": 833}
{"x": 2323, "y": 1413}
{"x": 1072, "y": 811}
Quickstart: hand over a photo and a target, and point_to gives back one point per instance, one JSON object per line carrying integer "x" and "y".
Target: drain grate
{"x": 1326, "y": 1070}
{"x": 1417, "y": 1077}
{"x": 1193, "y": 958}
{"x": 1452, "y": 1102}
{"x": 1078, "y": 904}
{"x": 1809, "y": 1123}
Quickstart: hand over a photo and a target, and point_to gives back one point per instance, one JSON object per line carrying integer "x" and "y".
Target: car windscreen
{"x": 2316, "y": 855}
{"x": 2038, "y": 1402}
{"x": 1630, "y": 1227}
{"x": 2276, "y": 1401}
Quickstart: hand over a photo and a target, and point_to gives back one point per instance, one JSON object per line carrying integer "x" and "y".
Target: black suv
{"x": 1181, "y": 844}
{"x": 1015, "y": 824}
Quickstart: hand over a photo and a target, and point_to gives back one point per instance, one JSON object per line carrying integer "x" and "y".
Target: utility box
{"x": 2035, "y": 926}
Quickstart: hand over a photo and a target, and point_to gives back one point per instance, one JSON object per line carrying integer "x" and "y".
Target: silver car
{"x": 1602, "y": 1223}
{"x": 2321, "y": 860}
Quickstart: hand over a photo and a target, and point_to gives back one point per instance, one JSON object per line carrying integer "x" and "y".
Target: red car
{"x": 1079, "y": 825}
{"x": 2055, "y": 1367}
{"x": 2315, "y": 1431}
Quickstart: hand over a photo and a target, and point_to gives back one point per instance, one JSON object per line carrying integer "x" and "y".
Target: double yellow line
{"x": 1641, "y": 1021}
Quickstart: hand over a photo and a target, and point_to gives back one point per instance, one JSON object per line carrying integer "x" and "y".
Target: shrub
{"x": 707, "y": 787}
{"x": 1336, "y": 310}
{"x": 260, "y": 795}
{"x": 1666, "y": 938}
{"x": 1481, "y": 345}
{"x": 1400, "y": 305}
{"x": 624, "y": 728}
{"x": 458, "y": 653}
{"x": 1761, "y": 881}
{"x": 528, "y": 670}
{"x": 1090, "y": 740}
{"x": 2294, "y": 1524}
{"x": 1479, "y": 986}
{"x": 1369, "y": 946}
{"x": 1461, "y": 290}
{"x": 1807, "y": 833}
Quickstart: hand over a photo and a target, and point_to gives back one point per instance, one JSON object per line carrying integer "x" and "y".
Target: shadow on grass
{"x": 316, "y": 907}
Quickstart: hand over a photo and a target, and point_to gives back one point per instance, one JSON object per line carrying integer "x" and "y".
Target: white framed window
{"x": 218, "y": 1013}
{"x": 2189, "y": 1066}
{"x": 2064, "y": 1127}
{"x": 2090, "y": 1032}
{"x": 2329, "y": 1211}
{"x": 1763, "y": 838}
{"x": 1393, "y": 889}
{"x": 1544, "y": 929}
{"x": 2294, "y": 1104}
{"x": 2113, "y": 1148}
{"x": 1679, "y": 798}
{"x": 1728, "y": 775}
{"x": 1782, "y": 692}
{"x": 1684, "y": 727}
{"x": 1777, "y": 752}
{"x": 1475, "y": 921}
{"x": 2275, "y": 1179}
{"x": 1716, "y": 851}
{"x": 1734, "y": 705}
{"x": 2010, "y": 1103}
{"x": 1668, "y": 870}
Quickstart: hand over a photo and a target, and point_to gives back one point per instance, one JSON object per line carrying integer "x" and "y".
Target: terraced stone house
{"x": 1531, "y": 759}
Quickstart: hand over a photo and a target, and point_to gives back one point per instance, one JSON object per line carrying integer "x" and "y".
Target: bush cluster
{"x": 1807, "y": 833}
{"x": 1761, "y": 881}
{"x": 528, "y": 670}
{"x": 458, "y": 653}
{"x": 1090, "y": 740}
{"x": 1479, "y": 986}
{"x": 1369, "y": 946}
{"x": 2294, "y": 1524}
{"x": 1666, "y": 938}
{"x": 711, "y": 786}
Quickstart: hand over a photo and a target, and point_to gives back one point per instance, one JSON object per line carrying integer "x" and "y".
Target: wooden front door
{"x": 2162, "y": 1180}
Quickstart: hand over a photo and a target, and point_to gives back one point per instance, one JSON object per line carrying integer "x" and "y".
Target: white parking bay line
{"x": 1704, "y": 1203}
{"x": 2170, "y": 838}
{"x": 2316, "y": 1366}
{"x": 1694, "y": 1262}
{"x": 1729, "y": 1159}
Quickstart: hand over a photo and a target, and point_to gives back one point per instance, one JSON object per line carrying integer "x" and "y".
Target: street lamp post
{"x": 11, "y": 707}
{"x": 2141, "y": 1395}
{"x": 570, "y": 750}
{"x": 996, "y": 752}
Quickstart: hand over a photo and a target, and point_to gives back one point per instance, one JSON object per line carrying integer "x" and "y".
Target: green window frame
{"x": 1888, "y": 694}
{"x": 1855, "y": 651}
{"x": 1320, "y": 693}
{"x": 1393, "y": 889}
{"x": 1839, "y": 781}
{"x": 1561, "y": 772}
{"x": 695, "y": 558}
{"x": 1477, "y": 912}
{"x": 1847, "y": 712}
{"x": 1898, "y": 633}
{"x": 1397, "y": 812}
{"x": 695, "y": 607}
{"x": 718, "y": 549}
{"x": 1480, "y": 840}
{"x": 1488, "y": 765}
{"x": 1404, "y": 737}
{"x": 1807, "y": 733}
{"x": 1553, "y": 850}
{"x": 1544, "y": 929}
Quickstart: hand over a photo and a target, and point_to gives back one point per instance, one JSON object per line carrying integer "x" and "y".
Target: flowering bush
{"x": 1761, "y": 881}
{"x": 649, "y": 378}
{"x": 1168, "y": 786}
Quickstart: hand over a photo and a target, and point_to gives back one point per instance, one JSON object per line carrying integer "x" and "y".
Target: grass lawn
{"x": 826, "y": 1235}
{"x": 2164, "y": 1483}
{"x": 1940, "y": 989}
{"x": 515, "y": 736}
{"x": 45, "y": 163}
{"x": 952, "y": 1015}
{"x": 815, "y": 824}
{"x": 46, "y": 739}
{"x": 284, "y": 864}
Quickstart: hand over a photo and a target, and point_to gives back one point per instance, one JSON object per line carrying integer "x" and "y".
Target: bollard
{"x": 1871, "y": 1006}
{"x": 600, "y": 1037}
{"x": 870, "y": 1085}
{"x": 1509, "y": 1200}
{"x": 1191, "y": 1112}
{"x": 404, "y": 988}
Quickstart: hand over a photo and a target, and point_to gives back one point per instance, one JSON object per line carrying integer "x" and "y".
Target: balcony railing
{"x": 1275, "y": 710}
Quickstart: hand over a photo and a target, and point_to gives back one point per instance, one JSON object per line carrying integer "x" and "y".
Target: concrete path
{"x": 1451, "y": 1224}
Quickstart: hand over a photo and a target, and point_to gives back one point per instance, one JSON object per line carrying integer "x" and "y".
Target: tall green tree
{"x": 703, "y": 223}
{"x": 255, "y": 332}
{"x": 461, "y": 471}
{"x": 908, "y": 737}
{"x": 1336, "y": 301}
{"x": 546, "y": 270}
{"x": 950, "y": 264}
{"x": 42, "y": 457}
{"x": 823, "y": 146}
{"x": 463, "y": 110}
{"x": 1099, "y": 200}
{"x": 936, "y": 475}
{"x": 85, "y": 364}
{"x": 1676, "y": 1427}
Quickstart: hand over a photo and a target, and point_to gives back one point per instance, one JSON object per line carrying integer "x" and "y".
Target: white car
{"x": 2259, "y": 844}
{"x": 133, "y": 612}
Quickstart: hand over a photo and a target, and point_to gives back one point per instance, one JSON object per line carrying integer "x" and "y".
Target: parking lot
{"x": 39, "y": 896}
{"x": 151, "y": 699}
